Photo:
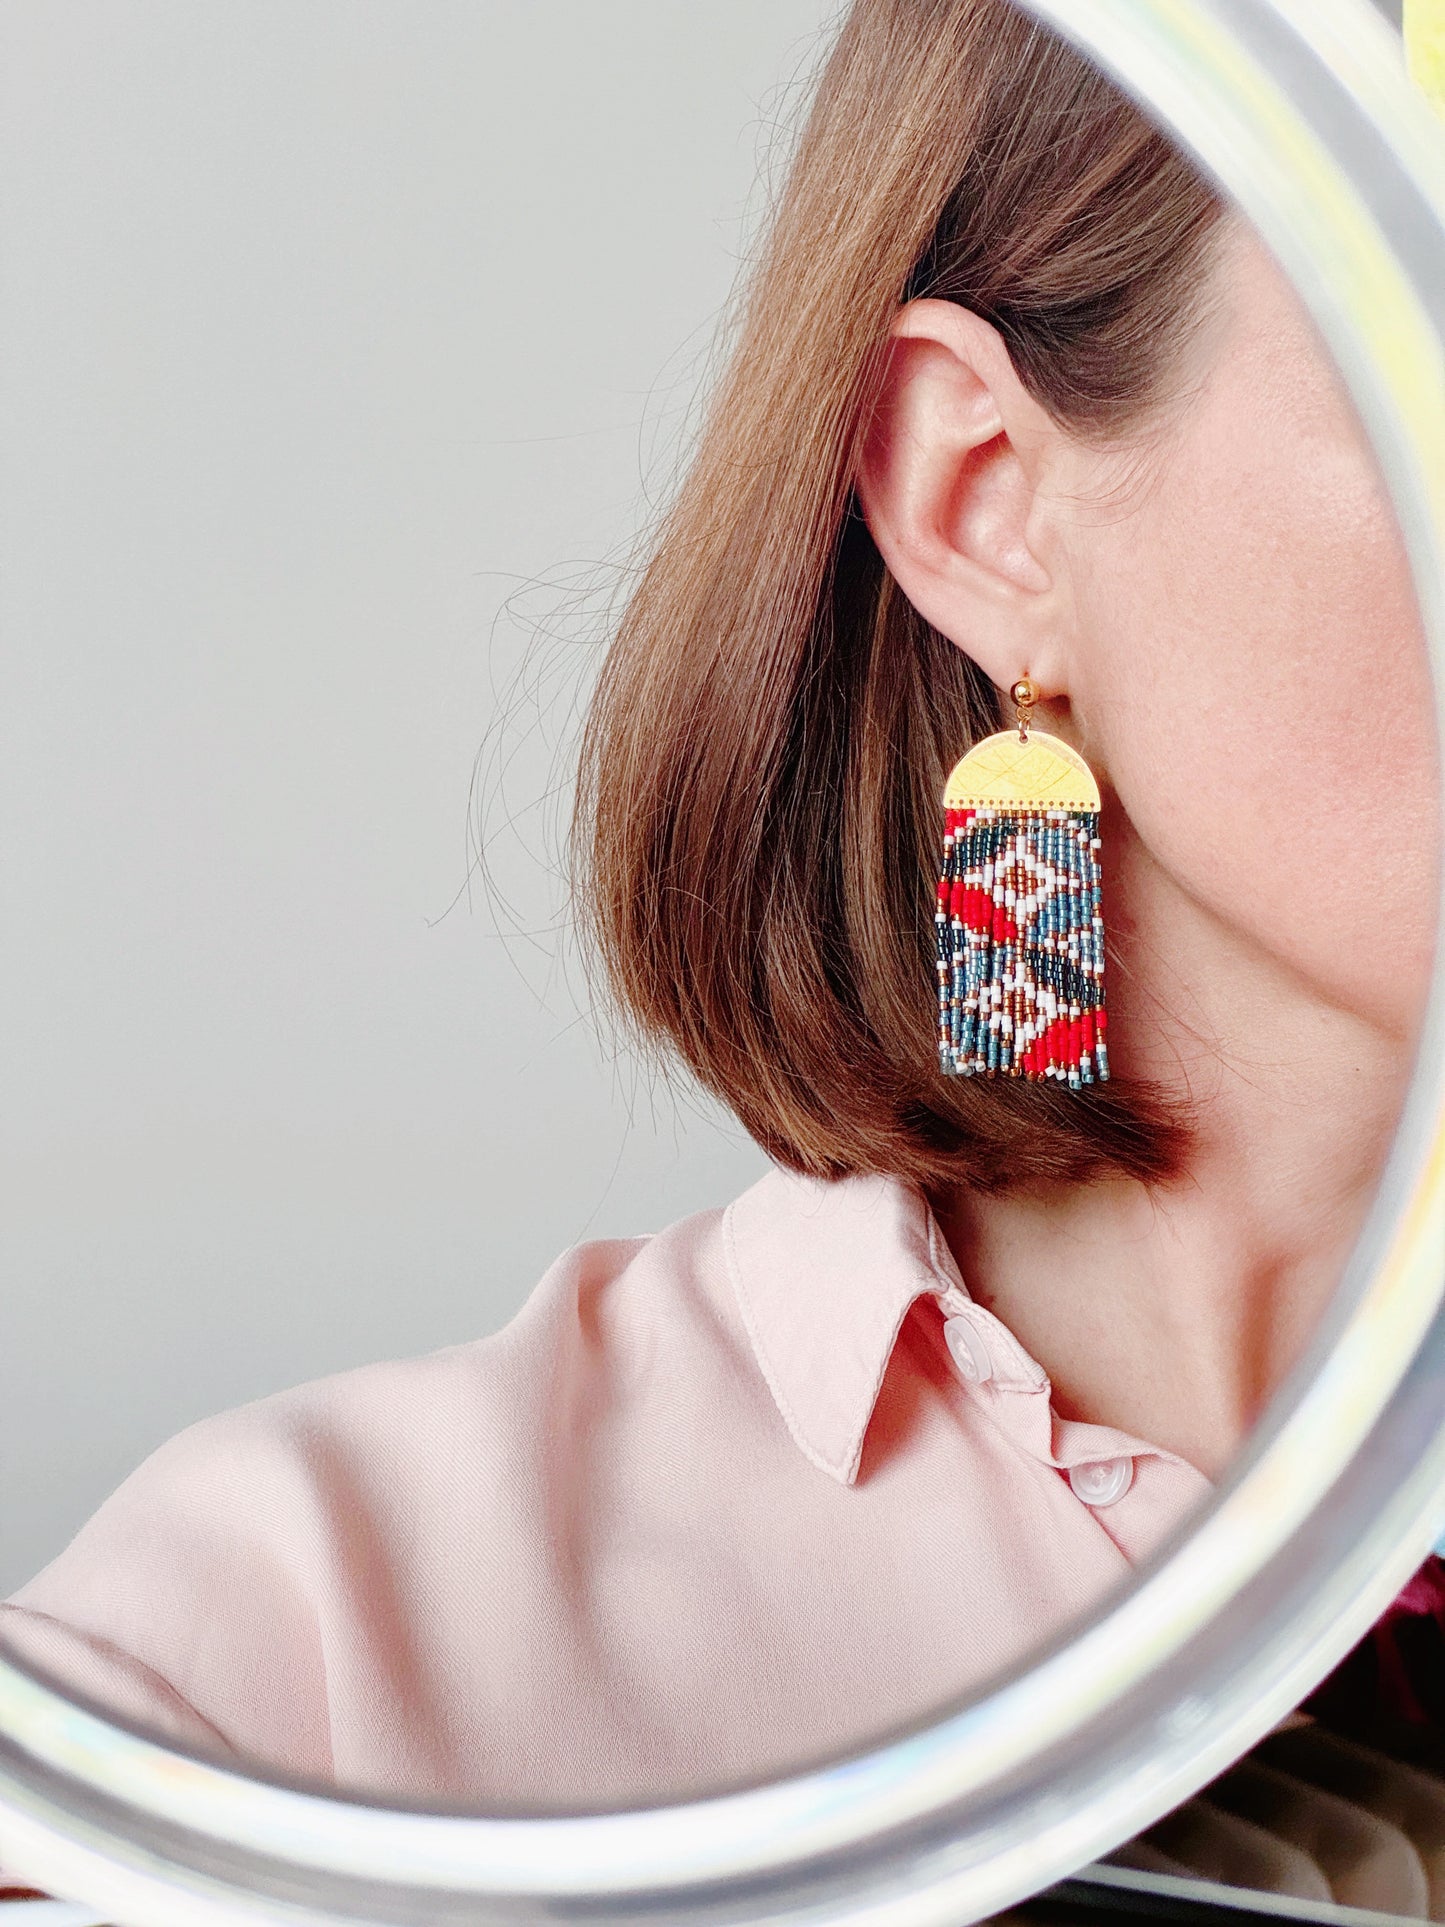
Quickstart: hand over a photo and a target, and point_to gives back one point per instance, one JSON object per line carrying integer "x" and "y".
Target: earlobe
{"x": 948, "y": 482}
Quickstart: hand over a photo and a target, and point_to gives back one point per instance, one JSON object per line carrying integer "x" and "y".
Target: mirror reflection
{"x": 502, "y": 1436}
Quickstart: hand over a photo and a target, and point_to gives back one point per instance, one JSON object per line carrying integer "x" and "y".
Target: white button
{"x": 1102, "y": 1482}
{"x": 968, "y": 1351}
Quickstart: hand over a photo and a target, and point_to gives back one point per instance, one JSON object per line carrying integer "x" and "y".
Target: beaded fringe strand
{"x": 1021, "y": 946}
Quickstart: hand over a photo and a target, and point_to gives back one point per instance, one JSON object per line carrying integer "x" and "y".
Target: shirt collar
{"x": 825, "y": 1271}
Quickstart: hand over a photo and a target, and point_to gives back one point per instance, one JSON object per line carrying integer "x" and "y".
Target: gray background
{"x": 344, "y": 347}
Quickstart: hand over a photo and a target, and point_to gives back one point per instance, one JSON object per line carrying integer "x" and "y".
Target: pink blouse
{"x": 718, "y": 1502}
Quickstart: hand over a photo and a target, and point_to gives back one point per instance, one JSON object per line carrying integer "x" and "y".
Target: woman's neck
{"x": 1174, "y": 1311}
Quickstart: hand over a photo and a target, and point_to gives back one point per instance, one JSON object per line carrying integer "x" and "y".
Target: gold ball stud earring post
{"x": 1025, "y": 693}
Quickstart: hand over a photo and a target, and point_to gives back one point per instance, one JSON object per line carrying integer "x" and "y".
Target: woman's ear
{"x": 950, "y": 483}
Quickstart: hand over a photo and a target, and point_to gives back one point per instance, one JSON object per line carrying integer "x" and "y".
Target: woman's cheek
{"x": 1259, "y": 684}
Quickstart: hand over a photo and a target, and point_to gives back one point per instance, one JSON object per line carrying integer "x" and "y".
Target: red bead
{"x": 976, "y": 907}
{"x": 1056, "y": 1040}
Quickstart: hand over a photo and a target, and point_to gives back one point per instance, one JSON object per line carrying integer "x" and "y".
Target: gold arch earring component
{"x": 1019, "y": 918}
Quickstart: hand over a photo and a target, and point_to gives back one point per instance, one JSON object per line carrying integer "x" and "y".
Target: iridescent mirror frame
{"x": 1302, "y": 111}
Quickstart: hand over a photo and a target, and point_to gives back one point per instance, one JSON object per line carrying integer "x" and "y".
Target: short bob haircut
{"x": 759, "y": 814}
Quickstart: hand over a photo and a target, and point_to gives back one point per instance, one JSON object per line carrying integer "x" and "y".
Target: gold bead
{"x": 1025, "y": 691}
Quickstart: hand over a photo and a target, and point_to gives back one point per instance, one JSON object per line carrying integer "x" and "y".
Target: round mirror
{"x": 1008, "y": 785}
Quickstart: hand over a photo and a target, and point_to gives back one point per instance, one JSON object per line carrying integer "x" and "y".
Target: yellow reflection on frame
{"x": 1425, "y": 46}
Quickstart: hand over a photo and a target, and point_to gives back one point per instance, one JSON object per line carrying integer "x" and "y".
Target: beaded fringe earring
{"x": 1019, "y": 926}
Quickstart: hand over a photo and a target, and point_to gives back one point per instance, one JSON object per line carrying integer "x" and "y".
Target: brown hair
{"x": 759, "y": 819}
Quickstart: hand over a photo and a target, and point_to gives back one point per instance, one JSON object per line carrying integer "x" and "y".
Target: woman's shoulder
{"x": 664, "y": 1342}
{"x": 304, "y": 1525}
{"x": 629, "y": 1353}
{"x": 599, "y": 1310}
{"x": 380, "y": 1576}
